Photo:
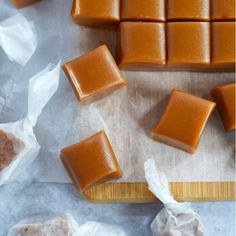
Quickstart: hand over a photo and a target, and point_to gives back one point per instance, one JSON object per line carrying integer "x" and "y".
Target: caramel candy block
{"x": 91, "y": 162}
{"x": 222, "y": 10}
{"x": 192, "y": 10}
{"x": 224, "y": 97}
{"x": 183, "y": 121}
{"x": 94, "y": 75}
{"x": 24, "y": 3}
{"x": 96, "y": 13}
{"x": 140, "y": 10}
{"x": 223, "y": 45}
{"x": 10, "y": 146}
{"x": 188, "y": 45}
{"x": 142, "y": 45}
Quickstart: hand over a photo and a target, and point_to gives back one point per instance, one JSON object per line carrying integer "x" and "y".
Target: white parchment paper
{"x": 129, "y": 114}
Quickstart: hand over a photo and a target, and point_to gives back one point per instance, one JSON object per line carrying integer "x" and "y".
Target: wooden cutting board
{"x": 139, "y": 193}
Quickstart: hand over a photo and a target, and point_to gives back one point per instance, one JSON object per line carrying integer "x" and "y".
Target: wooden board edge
{"x": 139, "y": 193}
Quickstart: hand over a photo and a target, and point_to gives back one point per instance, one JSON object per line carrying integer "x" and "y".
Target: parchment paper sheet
{"x": 129, "y": 114}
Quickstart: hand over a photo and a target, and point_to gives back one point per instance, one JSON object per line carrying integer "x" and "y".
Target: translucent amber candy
{"x": 91, "y": 161}
{"x": 24, "y": 3}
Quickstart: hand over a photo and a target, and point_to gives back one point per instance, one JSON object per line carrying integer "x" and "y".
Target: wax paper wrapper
{"x": 18, "y": 38}
{"x": 62, "y": 225}
{"x": 20, "y": 135}
{"x": 176, "y": 219}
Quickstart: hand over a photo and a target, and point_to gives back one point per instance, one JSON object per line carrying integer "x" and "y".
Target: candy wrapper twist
{"x": 175, "y": 219}
{"x": 18, "y": 144}
{"x": 18, "y": 38}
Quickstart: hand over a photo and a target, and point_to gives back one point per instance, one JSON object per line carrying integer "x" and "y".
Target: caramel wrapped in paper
{"x": 18, "y": 144}
{"x": 62, "y": 225}
{"x": 175, "y": 218}
{"x": 18, "y": 38}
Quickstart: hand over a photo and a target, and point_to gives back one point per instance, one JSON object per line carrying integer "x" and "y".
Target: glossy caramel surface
{"x": 183, "y": 121}
{"x": 95, "y": 12}
{"x": 197, "y": 10}
{"x": 223, "y": 10}
{"x": 91, "y": 161}
{"x": 142, "y": 44}
{"x": 94, "y": 75}
{"x": 188, "y": 44}
{"x": 224, "y": 97}
{"x": 143, "y": 10}
{"x": 223, "y": 44}
{"x": 24, "y": 3}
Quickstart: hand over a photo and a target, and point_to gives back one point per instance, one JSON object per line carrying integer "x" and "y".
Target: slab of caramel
{"x": 96, "y": 13}
{"x": 91, "y": 162}
{"x": 10, "y": 146}
{"x": 223, "y": 10}
{"x": 24, "y": 3}
{"x": 192, "y": 10}
{"x": 183, "y": 121}
{"x": 94, "y": 75}
{"x": 143, "y": 10}
{"x": 224, "y": 97}
{"x": 142, "y": 45}
{"x": 223, "y": 45}
{"x": 188, "y": 45}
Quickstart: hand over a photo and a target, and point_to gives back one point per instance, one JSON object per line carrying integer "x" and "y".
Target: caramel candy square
{"x": 224, "y": 97}
{"x": 24, "y": 3}
{"x": 94, "y": 75}
{"x": 183, "y": 121}
{"x": 142, "y": 45}
{"x": 96, "y": 13}
{"x": 143, "y": 10}
{"x": 91, "y": 162}
{"x": 192, "y": 10}
{"x": 223, "y": 45}
{"x": 222, "y": 10}
{"x": 188, "y": 45}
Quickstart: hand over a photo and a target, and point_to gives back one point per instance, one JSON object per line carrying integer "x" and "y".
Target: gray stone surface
{"x": 18, "y": 201}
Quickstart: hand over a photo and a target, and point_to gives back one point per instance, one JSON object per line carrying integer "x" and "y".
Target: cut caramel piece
{"x": 143, "y": 10}
{"x": 10, "y": 146}
{"x": 94, "y": 75}
{"x": 142, "y": 45}
{"x": 194, "y": 10}
{"x": 24, "y": 3}
{"x": 188, "y": 45}
{"x": 183, "y": 121}
{"x": 96, "y": 13}
{"x": 224, "y": 97}
{"x": 91, "y": 162}
{"x": 223, "y": 10}
{"x": 223, "y": 45}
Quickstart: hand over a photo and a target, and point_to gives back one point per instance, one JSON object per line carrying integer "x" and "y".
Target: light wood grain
{"x": 139, "y": 193}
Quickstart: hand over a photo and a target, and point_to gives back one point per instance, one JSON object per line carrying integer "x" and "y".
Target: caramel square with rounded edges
{"x": 188, "y": 44}
{"x": 192, "y": 10}
{"x": 142, "y": 45}
{"x": 24, "y": 3}
{"x": 223, "y": 44}
{"x": 91, "y": 162}
{"x": 143, "y": 10}
{"x": 222, "y": 10}
{"x": 96, "y": 13}
{"x": 224, "y": 97}
{"x": 183, "y": 121}
{"x": 94, "y": 75}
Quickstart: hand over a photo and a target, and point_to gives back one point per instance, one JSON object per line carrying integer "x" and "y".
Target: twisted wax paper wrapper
{"x": 63, "y": 225}
{"x": 18, "y": 38}
{"x": 42, "y": 87}
{"x": 175, "y": 219}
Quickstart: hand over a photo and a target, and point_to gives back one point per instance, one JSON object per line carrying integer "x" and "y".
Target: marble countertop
{"x": 18, "y": 201}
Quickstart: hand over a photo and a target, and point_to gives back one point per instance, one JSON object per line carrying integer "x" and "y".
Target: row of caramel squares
{"x": 93, "y": 160}
{"x": 103, "y": 12}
